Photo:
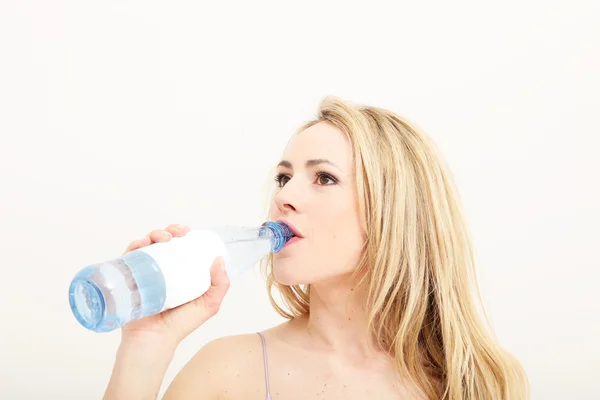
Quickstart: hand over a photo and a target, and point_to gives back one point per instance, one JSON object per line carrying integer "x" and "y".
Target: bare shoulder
{"x": 224, "y": 368}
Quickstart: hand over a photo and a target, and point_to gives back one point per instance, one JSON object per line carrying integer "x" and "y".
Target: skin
{"x": 323, "y": 355}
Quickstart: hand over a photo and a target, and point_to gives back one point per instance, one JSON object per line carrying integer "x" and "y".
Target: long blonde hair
{"x": 418, "y": 263}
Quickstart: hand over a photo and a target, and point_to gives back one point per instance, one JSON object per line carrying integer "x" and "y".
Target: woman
{"x": 378, "y": 290}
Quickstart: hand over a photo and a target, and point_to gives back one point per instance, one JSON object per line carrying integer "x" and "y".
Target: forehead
{"x": 320, "y": 141}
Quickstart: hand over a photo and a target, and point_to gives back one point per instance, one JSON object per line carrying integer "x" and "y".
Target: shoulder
{"x": 236, "y": 346}
{"x": 222, "y": 368}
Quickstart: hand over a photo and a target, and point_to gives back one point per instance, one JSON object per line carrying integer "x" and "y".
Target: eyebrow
{"x": 309, "y": 163}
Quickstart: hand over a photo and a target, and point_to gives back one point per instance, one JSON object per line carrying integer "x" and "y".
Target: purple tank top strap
{"x": 264, "y": 346}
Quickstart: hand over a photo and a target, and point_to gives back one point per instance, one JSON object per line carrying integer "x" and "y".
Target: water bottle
{"x": 155, "y": 278}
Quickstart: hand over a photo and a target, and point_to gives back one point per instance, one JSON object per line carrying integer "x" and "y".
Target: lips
{"x": 293, "y": 240}
{"x": 292, "y": 227}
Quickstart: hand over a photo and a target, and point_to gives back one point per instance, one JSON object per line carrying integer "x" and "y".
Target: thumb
{"x": 190, "y": 316}
{"x": 209, "y": 303}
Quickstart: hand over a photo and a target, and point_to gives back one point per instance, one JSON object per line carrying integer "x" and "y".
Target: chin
{"x": 287, "y": 276}
{"x": 295, "y": 273}
{"x": 290, "y": 273}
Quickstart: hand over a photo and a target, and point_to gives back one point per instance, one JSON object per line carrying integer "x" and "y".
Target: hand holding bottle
{"x": 173, "y": 325}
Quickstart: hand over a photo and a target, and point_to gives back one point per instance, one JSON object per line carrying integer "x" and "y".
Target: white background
{"x": 107, "y": 109}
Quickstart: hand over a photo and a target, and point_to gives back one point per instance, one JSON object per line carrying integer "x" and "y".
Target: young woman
{"x": 378, "y": 290}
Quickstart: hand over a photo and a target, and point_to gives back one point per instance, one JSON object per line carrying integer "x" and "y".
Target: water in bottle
{"x": 147, "y": 281}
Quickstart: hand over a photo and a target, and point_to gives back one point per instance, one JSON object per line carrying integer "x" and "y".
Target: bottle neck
{"x": 278, "y": 232}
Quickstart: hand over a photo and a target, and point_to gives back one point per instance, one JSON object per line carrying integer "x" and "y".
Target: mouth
{"x": 293, "y": 228}
{"x": 293, "y": 240}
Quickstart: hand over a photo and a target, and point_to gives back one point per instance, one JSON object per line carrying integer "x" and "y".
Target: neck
{"x": 337, "y": 320}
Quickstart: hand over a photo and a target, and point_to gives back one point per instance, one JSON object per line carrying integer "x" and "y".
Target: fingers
{"x": 158, "y": 235}
{"x": 177, "y": 230}
{"x": 138, "y": 244}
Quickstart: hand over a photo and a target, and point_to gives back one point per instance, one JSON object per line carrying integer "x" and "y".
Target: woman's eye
{"x": 325, "y": 179}
{"x": 282, "y": 179}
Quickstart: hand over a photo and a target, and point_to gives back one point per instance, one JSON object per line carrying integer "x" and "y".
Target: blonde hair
{"x": 418, "y": 263}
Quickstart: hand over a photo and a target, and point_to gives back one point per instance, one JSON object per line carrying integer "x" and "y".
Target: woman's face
{"x": 317, "y": 198}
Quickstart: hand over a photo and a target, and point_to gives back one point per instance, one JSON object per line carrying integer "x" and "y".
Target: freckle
{"x": 349, "y": 319}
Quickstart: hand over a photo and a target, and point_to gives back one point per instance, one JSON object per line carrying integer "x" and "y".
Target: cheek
{"x": 346, "y": 227}
{"x": 344, "y": 250}
{"x": 341, "y": 244}
{"x": 272, "y": 214}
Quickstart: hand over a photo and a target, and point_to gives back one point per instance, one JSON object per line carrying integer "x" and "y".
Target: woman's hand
{"x": 172, "y": 326}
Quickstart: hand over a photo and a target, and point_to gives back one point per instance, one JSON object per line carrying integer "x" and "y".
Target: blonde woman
{"x": 378, "y": 290}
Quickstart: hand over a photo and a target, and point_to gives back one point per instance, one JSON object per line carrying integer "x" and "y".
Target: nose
{"x": 290, "y": 197}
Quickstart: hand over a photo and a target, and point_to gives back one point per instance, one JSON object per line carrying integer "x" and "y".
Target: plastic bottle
{"x": 147, "y": 281}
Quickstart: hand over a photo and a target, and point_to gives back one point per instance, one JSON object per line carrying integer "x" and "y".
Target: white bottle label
{"x": 185, "y": 263}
